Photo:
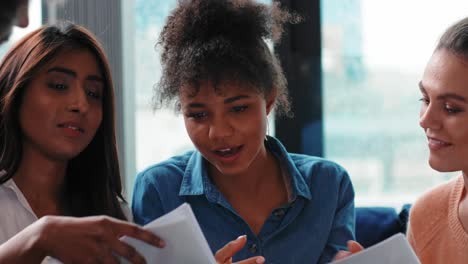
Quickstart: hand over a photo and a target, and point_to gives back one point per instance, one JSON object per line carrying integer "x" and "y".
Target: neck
{"x": 40, "y": 179}
{"x": 465, "y": 180}
{"x": 262, "y": 173}
{"x": 463, "y": 206}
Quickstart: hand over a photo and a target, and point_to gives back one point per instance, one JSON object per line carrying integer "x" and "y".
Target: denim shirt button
{"x": 253, "y": 248}
{"x": 279, "y": 213}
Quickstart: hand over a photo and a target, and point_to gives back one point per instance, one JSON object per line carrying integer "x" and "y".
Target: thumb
{"x": 341, "y": 255}
{"x": 230, "y": 249}
{"x": 354, "y": 246}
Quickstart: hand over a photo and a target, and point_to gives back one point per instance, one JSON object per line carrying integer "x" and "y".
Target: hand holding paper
{"x": 394, "y": 250}
{"x": 184, "y": 239}
{"x": 225, "y": 254}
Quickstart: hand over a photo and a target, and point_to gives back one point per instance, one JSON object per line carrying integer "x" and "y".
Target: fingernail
{"x": 260, "y": 260}
{"x": 161, "y": 243}
{"x": 240, "y": 237}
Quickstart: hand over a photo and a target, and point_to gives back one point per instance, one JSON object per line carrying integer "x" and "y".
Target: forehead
{"x": 80, "y": 60}
{"x": 208, "y": 91}
{"x": 446, "y": 72}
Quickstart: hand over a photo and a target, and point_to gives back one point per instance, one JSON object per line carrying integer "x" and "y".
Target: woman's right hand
{"x": 225, "y": 254}
{"x": 92, "y": 239}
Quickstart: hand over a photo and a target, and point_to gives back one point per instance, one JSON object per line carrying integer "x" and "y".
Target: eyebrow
{"x": 73, "y": 73}
{"x": 235, "y": 98}
{"x": 445, "y": 95}
{"x": 226, "y": 101}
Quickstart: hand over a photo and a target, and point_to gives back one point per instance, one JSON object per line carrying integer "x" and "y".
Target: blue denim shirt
{"x": 311, "y": 228}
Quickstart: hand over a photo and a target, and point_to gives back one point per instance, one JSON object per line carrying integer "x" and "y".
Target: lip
{"x": 437, "y": 144}
{"x": 72, "y": 129}
{"x": 228, "y": 154}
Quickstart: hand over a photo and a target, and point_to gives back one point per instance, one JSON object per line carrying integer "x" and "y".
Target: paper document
{"x": 185, "y": 242}
{"x": 393, "y": 250}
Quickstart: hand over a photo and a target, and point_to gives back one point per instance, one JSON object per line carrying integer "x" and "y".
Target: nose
{"x": 78, "y": 101}
{"x": 220, "y": 128}
{"x": 429, "y": 118}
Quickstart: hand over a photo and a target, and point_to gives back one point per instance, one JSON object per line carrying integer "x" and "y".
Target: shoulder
{"x": 432, "y": 203}
{"x": 156, "y": 189}
{"x": 319, "y": 168}
{"x": 167, "y": 170}
{"x": 428, "y": 213}
{"x": 324, "y": 178}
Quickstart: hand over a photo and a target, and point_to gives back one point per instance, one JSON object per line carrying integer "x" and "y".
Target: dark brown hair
{"x": 92, "y": 184}
{"x": 222, "y": 41}
{"x": 455, "y": 39}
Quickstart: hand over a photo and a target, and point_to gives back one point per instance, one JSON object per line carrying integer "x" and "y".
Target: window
{"x": 159, "y": 134}
{"x": 373, "y": 56}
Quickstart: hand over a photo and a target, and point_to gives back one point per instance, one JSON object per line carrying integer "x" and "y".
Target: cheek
{"x": 34, "y": 115}
{"x": 460, "y": 133}
{"x": 96, "y": 119}
{"x": 194, "y": 131}
{"x": 255, "y": 123}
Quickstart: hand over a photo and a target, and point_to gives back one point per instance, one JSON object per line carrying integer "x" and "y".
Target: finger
{"x": 254, "y": 260}
{"x": 129, "y": 229}
{"x": 231, "y": 248}
{"x": 354, "y": 246}
{"x": 341, "y": 255}
{"x": 104, "y": 255}
{"x": 110, "y": 259}
{"x": 126, "y": 251}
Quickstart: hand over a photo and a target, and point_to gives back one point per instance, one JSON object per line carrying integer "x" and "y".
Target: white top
{"x": 16, "y": 214}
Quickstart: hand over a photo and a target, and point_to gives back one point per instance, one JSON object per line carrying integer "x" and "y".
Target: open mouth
{"x": 228, "y": 152}
{"x": 437, "y": 142}
{"x": 74, "y": 128}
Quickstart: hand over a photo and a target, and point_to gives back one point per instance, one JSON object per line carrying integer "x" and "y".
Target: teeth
{"x": 225, "y": 150}
{"x": 72, "y": 127}
{"x": 438, "y": 142}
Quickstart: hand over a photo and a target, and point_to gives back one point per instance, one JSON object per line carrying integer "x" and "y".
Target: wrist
{"x": 38, "y": 243}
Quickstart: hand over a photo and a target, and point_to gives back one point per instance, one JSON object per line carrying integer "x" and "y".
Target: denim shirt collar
{"x": 196, "y": 181}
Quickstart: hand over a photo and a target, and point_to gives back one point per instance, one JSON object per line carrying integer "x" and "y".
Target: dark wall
{"x": 300, "y": 55}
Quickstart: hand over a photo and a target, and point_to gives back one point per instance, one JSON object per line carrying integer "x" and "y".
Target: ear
{"x": 271, "y": 100}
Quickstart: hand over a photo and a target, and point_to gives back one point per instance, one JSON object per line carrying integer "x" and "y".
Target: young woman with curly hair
{"x": 219, "y": 72}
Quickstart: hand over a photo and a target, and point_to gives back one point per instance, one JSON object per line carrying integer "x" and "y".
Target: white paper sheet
{"x": 393, "y": 250}
{"x": 184, "y": 239}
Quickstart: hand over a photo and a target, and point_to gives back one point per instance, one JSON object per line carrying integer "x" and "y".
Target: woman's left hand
{"x": 225, "y": 254}
{"x": 353, "y": 247}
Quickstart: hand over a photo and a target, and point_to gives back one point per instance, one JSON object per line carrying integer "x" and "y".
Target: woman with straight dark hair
{"x": 58, "y": 155}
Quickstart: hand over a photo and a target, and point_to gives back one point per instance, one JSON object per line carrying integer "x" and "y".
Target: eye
{"x": 238, "y": 109}
{"x": 451, "y": 110}
{"x": 424, "y": 100}
{"x": 57, "y": 86}
{"x": 93, "y": 94}
{"x": 197, "y": 115}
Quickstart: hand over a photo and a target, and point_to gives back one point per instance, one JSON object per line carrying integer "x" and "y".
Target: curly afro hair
{"x": 222, "y": 41}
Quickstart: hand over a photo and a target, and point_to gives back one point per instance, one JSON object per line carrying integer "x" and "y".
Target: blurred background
{"x": 353, "y": 69}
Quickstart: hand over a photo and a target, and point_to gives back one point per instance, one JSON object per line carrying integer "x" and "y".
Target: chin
{"x": 230, "y": 170}
{"x": 442, "y": 166}
{"x": 66, "y": 154}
